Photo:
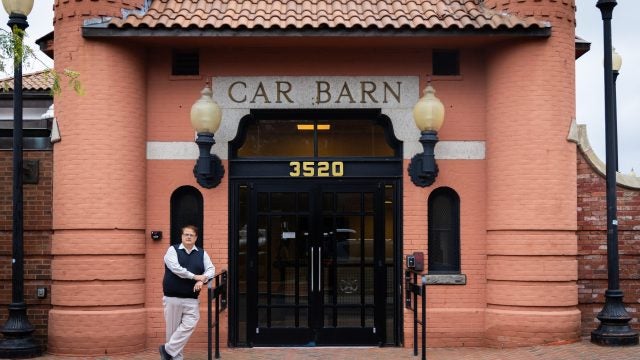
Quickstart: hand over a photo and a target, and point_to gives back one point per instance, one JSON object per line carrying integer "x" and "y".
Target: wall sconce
{"x": 429, "y": 116}
{"x": 205, "y": 119}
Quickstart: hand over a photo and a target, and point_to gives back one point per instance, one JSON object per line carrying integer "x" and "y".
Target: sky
{"x": 589, "y": 72}
{"x": 590, "y": 79}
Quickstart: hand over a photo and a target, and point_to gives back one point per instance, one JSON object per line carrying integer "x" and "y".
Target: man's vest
{"x": 175, "y": 286}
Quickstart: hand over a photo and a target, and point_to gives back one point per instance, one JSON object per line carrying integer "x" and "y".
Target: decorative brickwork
{"x": 592, "y": 245}
{"x": 541, "y": 9}
{"x": 79, "y": 9}
{"x": 37, "y": 239}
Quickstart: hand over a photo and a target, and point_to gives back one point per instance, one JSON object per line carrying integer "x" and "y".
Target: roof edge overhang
{"x": 582, "y": 47}
{"x": 46, "y": 44}
{"x": 105, "y": 32}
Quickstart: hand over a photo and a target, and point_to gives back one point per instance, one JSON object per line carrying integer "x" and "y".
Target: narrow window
{"x": 185, "y": 62}
{"x": 446, "y": 62}
{"x": 444, "y": 231}
{"x": 186, "y": 209}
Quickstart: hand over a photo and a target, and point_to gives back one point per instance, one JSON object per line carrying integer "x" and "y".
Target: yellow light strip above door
{"x": 305, "y": 127}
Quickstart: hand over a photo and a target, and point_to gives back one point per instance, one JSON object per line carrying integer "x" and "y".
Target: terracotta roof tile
{"x": 298, "y": 14}
{"x": 41, "y": 80}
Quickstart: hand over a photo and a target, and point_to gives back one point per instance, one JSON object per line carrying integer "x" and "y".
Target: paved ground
{"x": 576, "y": 351}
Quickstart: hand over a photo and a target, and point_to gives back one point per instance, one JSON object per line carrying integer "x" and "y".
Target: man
{"x": 187, "y": 269}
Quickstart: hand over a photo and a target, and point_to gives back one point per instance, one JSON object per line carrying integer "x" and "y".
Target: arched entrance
{"x": 315, "y": 234}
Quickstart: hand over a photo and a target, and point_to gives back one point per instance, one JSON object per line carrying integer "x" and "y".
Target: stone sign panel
{"x": 316, "y": 92}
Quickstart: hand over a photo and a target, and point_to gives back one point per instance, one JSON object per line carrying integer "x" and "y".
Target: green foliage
{"x": 73, "y": 78}
{"x": 12, "y": 47}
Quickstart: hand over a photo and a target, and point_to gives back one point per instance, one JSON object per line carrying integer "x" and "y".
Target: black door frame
{"x": 317, "y": 332}
{"x": 386, "y": 170}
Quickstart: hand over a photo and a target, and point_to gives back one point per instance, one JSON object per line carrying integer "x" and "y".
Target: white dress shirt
{"x": 171, "y": 260}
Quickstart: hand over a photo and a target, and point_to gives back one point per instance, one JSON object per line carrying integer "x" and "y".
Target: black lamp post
{"x": 616, "y": 64}
{"x": 428, "y": 115}
{"x": 205, "y": 119}
{"x": 614, "y": 329}
{"x": 17, "y": 331}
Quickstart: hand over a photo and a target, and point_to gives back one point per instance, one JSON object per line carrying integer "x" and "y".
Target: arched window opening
{"x": 315, "y": 133}
{"x": 444, "y": 232}
{"x": 186, "y": 209}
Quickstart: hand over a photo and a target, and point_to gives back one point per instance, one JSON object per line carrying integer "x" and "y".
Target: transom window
{"x": 341, "y": 136}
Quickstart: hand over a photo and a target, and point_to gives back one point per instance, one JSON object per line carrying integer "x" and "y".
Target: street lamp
{"x": 616, "y": 64}
{"x": 614, "y": 329}
{"x": 205, "y": 119}
{"x": 428, "y": 114}
{"x": 18, "y": 341}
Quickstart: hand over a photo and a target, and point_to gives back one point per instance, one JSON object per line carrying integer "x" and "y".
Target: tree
{"x": 11, "y": 48}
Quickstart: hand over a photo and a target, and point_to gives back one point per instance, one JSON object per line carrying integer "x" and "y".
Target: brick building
{"x": 592, "y": 235}
{"x": 38, "y": 195}
{"x": 316, "y": 210}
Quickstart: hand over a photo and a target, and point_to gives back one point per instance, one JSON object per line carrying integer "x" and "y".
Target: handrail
{"x": 219, "y": 294}
{"x": 412, "y": 291}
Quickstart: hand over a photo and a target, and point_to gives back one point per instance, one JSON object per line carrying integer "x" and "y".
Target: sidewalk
{"x": 577, "y": 351}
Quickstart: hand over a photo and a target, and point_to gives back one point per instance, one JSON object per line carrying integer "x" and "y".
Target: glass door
{"x": 351, "y": 259}
{"x": 316, "y": 271}
{"x": 279, "y": 247}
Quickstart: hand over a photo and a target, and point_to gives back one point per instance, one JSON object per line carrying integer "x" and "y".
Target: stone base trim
{"x": 446, "y": 279}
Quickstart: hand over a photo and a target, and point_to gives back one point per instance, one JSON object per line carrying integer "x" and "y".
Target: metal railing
{"x": 217, "y": 291}
{"x": 413, "y": 289}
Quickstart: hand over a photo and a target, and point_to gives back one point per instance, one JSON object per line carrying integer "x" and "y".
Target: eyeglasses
{"x": 189, "y": 235}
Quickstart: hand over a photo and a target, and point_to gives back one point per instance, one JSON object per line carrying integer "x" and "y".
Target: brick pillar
{"x": 98, "y": 266}
{"x": 531, "y": 183}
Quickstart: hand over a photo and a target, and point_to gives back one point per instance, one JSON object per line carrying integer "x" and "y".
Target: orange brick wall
{"x": 531, "y": 195}
{"x": 455, "y": 314}
{"x": 592, "y": 246}
{"x": 160, "y": 187}
{"x": 99, "y": 205}
{"x": 36, "y": 239}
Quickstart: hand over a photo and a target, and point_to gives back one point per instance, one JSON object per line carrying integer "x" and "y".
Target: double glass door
{"x": 315, "y": 257}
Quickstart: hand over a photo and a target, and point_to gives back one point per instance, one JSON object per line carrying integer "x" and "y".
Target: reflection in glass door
{"x": 316, "y": 272}
{"x": 279, "y": 298}
{"x": 351, "y": 241}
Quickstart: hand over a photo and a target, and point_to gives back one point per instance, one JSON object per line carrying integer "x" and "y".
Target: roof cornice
{"x": 92, "y": 31}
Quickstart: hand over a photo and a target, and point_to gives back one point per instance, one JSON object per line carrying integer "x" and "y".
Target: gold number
{"x": 337, "y": 168}
{"x": 323, "y": 168}
{"x": 308, "y": 168}
{"x": 295, "y": 167}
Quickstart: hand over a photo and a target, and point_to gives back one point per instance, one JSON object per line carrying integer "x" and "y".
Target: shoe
{"x": 164, "y": 355}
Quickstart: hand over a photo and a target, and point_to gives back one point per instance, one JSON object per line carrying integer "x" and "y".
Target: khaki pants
{"x": 181, "y": 316}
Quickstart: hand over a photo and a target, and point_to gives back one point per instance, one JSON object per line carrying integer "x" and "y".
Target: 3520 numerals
{"x": 316, "y": 168}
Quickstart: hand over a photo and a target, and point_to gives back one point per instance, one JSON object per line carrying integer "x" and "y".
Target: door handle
{"x": 312, "y": 277}
{"x": 319, "y": 268}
